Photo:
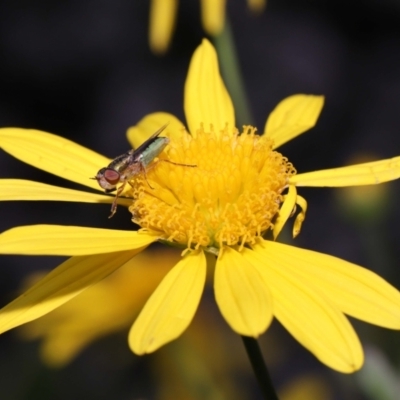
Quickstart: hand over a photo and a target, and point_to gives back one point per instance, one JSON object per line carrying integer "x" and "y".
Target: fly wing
{"x": 137, "y": 152}
{"x": 122, "y": 162}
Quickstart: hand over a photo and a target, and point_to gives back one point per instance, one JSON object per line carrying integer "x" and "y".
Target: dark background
{"x": 83, "y": 70}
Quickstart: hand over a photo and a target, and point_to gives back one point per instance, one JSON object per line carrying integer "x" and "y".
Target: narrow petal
{"x": 104, "y": 308}
{"x": 69, "y": 240}
{"x": 20, "y": 189}
{"x": 213, "y": 16}
{"x": 151, "y": 123}
{"x": 285, "y": 211}
{"x": 162, "y": 23}
{"x": 306, "y": 312}
{"x": 301, "y": 216}
{"x": 242, "y": 296}
{"x": 355, "y": 290}
{"x": 53, "y": 154}
{"x": 206, "y": 99}
{"x": 171, "y": 307}
{"x": 369, "y": 173}
{"x": 61, "y": 285}
{"x": 293, "y": 116}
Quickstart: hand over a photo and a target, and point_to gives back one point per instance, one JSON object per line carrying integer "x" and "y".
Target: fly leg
{"x": 143, "y": 169}
{"x": 154, "y": 163}
{"x": 114, "y": 203}
{"x": 175, "y": 163}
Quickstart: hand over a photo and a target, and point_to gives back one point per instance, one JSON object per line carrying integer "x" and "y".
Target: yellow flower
{"x": 102, "y": 309}
{"x": 163, "y": 15}
{"x": 240, "y": 189}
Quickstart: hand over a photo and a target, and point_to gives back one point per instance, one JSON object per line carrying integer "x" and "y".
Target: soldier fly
{"x": 133, "y": 162}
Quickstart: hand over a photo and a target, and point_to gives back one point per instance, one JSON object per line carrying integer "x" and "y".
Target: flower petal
{"x": 355, "y": 290}
{"x": 171, "y": 307}
{"x": 111, "y": 305}
{"x": 369, "y": 173}
{"x": 242, "y": 296}
{"x": 162, "y": 23}
{"x": 293, "y": 116}
{"x": 213, "y": 16}
{"x": 206, "y": 99}
{"x": 61, "y": 285}
{"x": 53, "y": 154}
{"x": 285, "y": 211}
{"x": 151, "y": 123}
{"x": 306, "y": 312}
{"x": 69, "y": 240}
{"x": 20, "y": 189}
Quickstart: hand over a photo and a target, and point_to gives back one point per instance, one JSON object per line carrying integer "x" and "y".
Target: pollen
{"x": 211, "y": 190}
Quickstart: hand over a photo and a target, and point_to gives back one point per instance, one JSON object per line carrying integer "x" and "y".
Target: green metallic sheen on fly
{"x": 124, "y": 167}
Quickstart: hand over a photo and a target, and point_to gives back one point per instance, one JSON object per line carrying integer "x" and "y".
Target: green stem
{"x": 229, "y": 63}
{"x": 260, "y": 369}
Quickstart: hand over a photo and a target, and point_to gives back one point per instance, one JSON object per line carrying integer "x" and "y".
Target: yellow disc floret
{"x": 227, "y": 191}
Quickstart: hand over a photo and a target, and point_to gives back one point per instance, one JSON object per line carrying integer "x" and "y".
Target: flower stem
{"x": 259, "y": 367}
{"x": 229, "y": 63}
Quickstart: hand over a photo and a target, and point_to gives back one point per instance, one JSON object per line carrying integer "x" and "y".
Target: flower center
{"x": 229, "y": 198}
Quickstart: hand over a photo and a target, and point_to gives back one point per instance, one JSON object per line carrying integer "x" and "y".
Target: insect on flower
{"x": 124, "y": 167}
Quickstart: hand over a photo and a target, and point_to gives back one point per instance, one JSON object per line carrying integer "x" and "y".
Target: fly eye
{"x": 111, "y": 176}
